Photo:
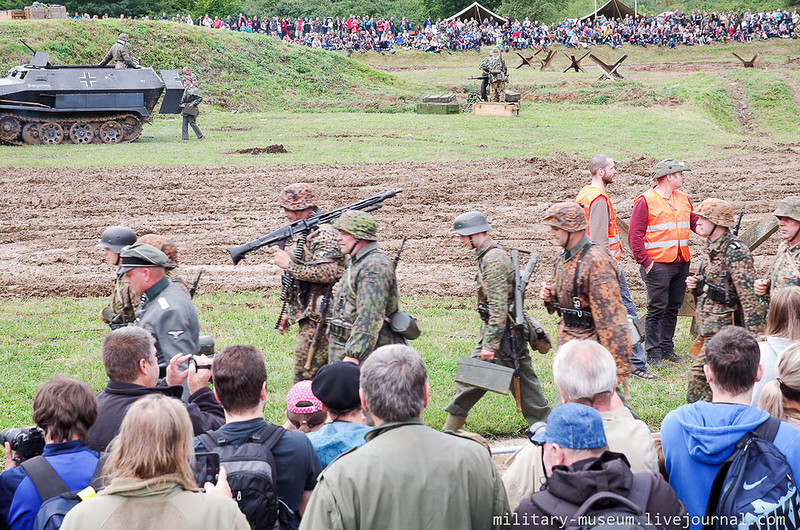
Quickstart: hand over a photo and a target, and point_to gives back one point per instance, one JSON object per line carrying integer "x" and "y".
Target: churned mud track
{"x": 51, "y": 219}
{"x": 740, "y": 106}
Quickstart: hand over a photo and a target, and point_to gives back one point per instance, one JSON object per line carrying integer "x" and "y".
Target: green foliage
{"x": 770, "y": 101}
{"x": 541, "y": 10}
{"x": 707, "y": 92}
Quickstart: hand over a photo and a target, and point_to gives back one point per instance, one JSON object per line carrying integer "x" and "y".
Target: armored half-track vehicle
{"x": 45, "y": 104}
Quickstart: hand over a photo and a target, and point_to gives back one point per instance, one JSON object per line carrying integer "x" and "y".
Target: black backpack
{"x": 58, "y": 498}
{"x": 251, "y": 475}
{"x": 754, "y": 487}
{"x": 603, "y": 509}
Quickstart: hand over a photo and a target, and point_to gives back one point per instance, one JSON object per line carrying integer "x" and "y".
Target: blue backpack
{"x": 754, "y": 488}
{"x": 58, "y": 498}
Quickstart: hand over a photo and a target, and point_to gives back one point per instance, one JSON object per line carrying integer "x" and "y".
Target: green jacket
{"x": 495, "y": 289}
{"x": 365, "y": 298}
{"x": 409, "y": 476}
{"x": 161, "y": 502}
{"x": 190, "y": 100}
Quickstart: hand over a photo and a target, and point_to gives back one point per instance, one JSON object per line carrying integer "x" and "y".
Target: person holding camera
{"x": 724, "y": 287}
{"x": 129, "y": 358}
{"x": 64, "y": 409}
{"x": 151, "y": 481}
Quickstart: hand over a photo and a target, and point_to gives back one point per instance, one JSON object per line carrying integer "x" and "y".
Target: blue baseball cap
{"x": 573, "y": 426}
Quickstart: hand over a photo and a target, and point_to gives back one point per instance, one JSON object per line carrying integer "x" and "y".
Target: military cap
{"x": 336, "y": 385}
{"x": 788, "y": 207}
{"x": 123, "y": 38}
{"x": 669, "y": 166}
{"x": 140, "y": 255}
{"x": 298, "y": 197}
{"x": 717, "y": 211}
{"x": 358, "y": 224}
{"x": 164, "y": 245}
{"x": 567, "y": 216}
{"x": 470, "y": 223}
{"x": 116, "y": 237}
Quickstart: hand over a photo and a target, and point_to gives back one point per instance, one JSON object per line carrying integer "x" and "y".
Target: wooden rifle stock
{"x": 323, "y": 313}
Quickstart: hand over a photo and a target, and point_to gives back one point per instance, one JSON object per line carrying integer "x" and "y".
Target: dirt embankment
{"x": 50, "y": 220}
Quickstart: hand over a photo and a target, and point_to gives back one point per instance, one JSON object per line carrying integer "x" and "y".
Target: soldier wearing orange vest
{"x": 661, "y": 221}
{"x": 602, "y": 229}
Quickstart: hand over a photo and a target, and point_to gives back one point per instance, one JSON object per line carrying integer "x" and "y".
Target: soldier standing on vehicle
{"x": 120, "y": 54}
{"x": 724, "y": 287}
{"x": 367, "y": 295}
{"x": 495, "y": 279}
{"x": 495, "y": 68}
{"x": 785, "y": 270}
{"x": 189, "y": 101}
{"x": 585, "y": 290}
{"x": 123, "y": 303}
{"x": 315, "y": 264}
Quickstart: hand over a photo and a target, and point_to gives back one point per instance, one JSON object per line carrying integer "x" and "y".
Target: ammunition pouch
{"x": 537, "y": 336}
{"x": 720, "y": 294}
{"x": 338, "y": 329}
{"x": 483, "y": 312}
{"x": 576, "y": 318}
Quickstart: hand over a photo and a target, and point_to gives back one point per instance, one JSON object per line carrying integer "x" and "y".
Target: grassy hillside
{"x": 237, "y": 71}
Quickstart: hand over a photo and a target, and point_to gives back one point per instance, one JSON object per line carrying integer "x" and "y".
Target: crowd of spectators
{"x": 363, "y": 34}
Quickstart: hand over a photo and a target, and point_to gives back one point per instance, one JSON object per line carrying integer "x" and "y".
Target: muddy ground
{"x": 51, "y": 219}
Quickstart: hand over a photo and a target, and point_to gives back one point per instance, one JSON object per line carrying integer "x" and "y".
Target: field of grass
{"x": 40, "y": 338}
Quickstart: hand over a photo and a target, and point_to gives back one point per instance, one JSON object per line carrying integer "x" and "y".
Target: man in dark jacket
{"x": 129, "y": 358}
{"x": 579, "y": 465}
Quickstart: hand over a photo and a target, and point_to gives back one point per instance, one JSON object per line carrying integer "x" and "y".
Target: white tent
{"x": 478, "y": 12}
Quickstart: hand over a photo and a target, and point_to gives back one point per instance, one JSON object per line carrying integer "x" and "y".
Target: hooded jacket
{"x": 574, "y": 484}
{"x": 696, "y": 440}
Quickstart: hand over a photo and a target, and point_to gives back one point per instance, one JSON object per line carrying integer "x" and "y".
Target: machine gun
{"x": 282, "y": 235}
{"x": 484, "y": 85}
{"x": 516, "y": 328}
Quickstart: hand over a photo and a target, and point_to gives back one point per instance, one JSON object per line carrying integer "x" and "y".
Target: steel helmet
{"x": 123, "y": 38}
{"x": 358, "y": 224}
{"x": 470, "y": 223}
{"x": 164, "y": 245}
{"x": 116, "y": 237}
{"x": 788, "y": 207}
{"x": 298, "y": 197}
{"x": 717, "y": 211}
{"x": 567, "y": 216}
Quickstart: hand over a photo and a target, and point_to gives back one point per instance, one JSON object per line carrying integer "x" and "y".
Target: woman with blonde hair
{"x": 783, "y": 327}
{"x": 781, "y": 397}
{"x": 150, "y": 479}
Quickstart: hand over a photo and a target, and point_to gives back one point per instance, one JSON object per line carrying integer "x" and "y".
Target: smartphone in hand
{"x": 206, "y": 468}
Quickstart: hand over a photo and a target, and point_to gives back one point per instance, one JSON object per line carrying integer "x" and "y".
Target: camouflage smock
{"x": 365, "y": 298}
{"x": 785, "y": 270}
{"x": 598, "y": 291}
{"x": 728, "y": 263}
{"x": 495, "y": 67}
{"x": 123, "y": 305}
{"x": 191, "y": 98}
{"x": 495, "y": 279}
{"x": 320, "y": 266}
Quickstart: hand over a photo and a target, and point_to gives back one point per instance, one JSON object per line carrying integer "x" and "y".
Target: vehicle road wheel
{"x": 51, "y": 133}
{"x": 9, "y": 128}
{"x": 111, "y": 132}
{"x": 30, "y": 134}
{"x": 132, "y": 127}
{"x": 81, "y": 133}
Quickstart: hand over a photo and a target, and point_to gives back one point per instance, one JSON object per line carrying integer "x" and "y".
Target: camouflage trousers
{"x": 535, "y": 406}
{"x": 304, "y": 337}
{"x": 697, "y": 388}
{"x": 497, "y": 91}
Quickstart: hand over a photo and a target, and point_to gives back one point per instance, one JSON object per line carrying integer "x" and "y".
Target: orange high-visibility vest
{"x": 667, "y": 226}
{"x": 585, "y": 198}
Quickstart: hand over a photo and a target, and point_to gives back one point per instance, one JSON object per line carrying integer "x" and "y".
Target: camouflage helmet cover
{"x": 788, "y": 207}
{"x": 669, "y": 166}
{"x": 116, "y": 237}
{"x": 358, "y": 224}
{"x": 567, "y": 216}
{"x": 717, "y": 211}
{"x": 164, "y": 245}
{"x": 298, "y": 197}
{"x": 470, "y": 223}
